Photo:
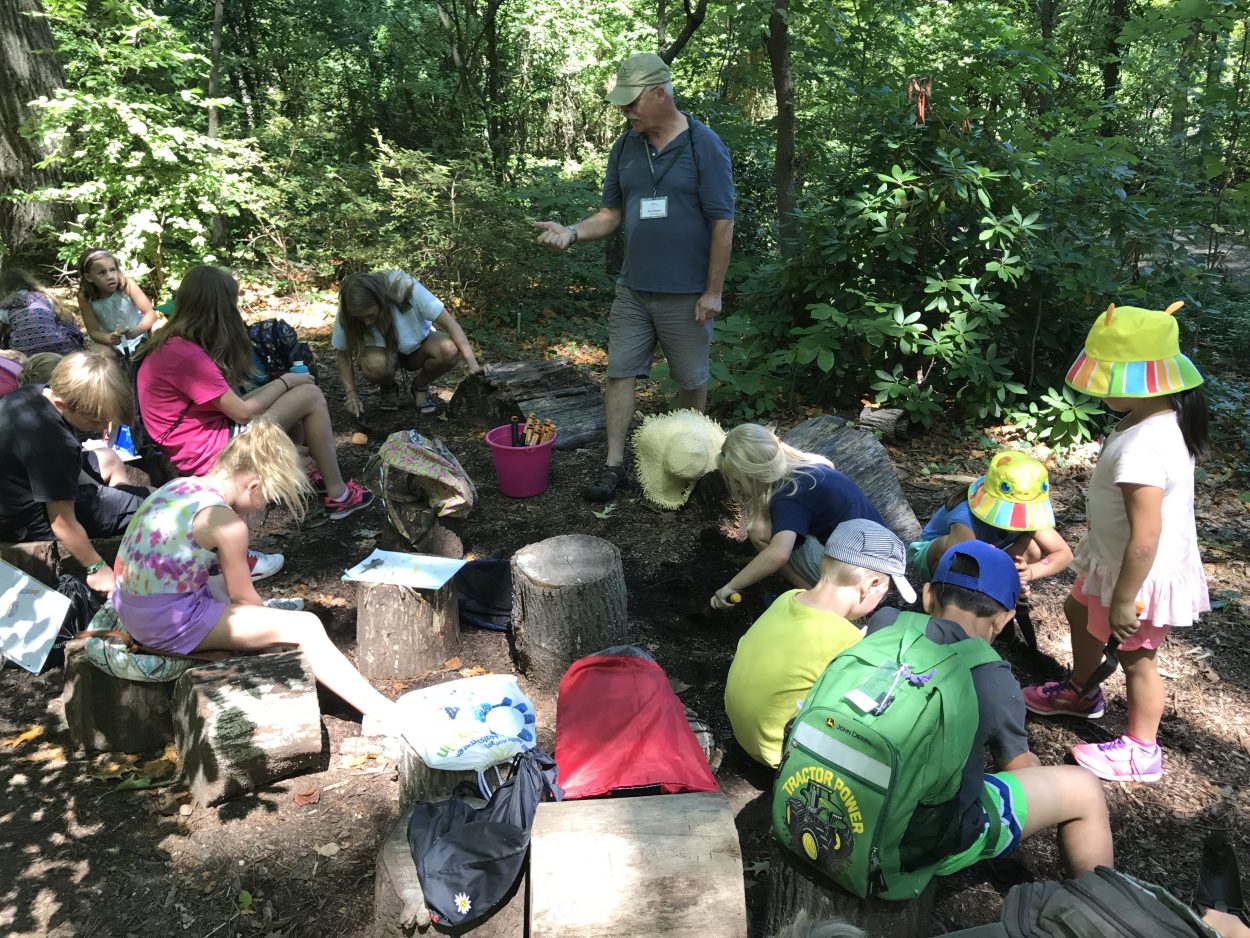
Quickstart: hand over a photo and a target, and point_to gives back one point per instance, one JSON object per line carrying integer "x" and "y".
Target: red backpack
{"x": 620, "y": 730}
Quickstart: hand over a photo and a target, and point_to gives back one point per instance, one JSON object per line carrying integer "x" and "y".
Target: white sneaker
{"x": 291, "y": 604}
{"x": 264, "y": 565}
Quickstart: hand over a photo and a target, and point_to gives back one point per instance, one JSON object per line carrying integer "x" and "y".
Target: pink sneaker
{"x": 1121, "y": 760}
{"x": 1056, "y": 698}
{"x": 357, "y": 498}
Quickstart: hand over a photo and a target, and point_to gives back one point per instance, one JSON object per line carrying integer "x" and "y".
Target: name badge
{"x": 656, "y": 207}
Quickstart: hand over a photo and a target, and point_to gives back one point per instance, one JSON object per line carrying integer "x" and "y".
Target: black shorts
{"x": 102, "y": 510}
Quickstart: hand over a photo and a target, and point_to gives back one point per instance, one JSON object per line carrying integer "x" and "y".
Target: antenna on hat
{"x": 1110, "y": 310}
{"x": 1174, "y": 307}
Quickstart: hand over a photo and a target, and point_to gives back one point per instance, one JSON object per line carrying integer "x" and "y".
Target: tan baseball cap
{"x": 637, "y": 73}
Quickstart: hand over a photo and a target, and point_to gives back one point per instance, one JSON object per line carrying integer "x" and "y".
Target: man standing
{"x": 669, "y": 181}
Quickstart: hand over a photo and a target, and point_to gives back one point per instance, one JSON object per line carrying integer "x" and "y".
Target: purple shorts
{"x": 173, "y": 622}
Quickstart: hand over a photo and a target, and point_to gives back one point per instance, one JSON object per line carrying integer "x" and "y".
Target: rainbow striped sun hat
{"x": 1133, "y": 352}
{"x": 1014, "y": 495}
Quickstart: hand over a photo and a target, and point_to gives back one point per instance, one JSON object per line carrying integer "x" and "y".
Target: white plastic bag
{"x": 469, "y": 724}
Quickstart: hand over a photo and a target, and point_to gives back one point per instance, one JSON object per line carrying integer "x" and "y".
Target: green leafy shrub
{"x": 1062, "y": 418}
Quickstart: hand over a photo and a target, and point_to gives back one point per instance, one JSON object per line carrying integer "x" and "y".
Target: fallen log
{"x": 552, "y": 389}
{"x": 244, "y": 722}
{"x": 890, "y": 422}
{"x": 568, "y": 600}
{"x": 861, "y": 456}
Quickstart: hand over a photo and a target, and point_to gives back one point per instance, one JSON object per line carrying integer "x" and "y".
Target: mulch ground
{"x": 84, "y": 852}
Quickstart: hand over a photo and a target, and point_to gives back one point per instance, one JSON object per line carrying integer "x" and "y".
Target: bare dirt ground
{"x": 81, "y": 855}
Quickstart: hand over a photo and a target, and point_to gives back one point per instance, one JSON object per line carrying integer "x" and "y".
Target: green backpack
{"x": 868, "y": 787}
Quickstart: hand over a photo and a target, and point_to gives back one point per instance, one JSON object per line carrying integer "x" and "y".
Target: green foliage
{"x": 1061, "y": 418}
{"x": 127, "y": 135}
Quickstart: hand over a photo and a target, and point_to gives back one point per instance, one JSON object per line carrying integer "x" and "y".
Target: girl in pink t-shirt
{"x": 1139, "y": 568}
{"x": 185, "y": 375}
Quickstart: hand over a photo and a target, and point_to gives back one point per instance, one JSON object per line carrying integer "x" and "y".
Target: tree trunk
{"x": 861, "y": 456}
{"x": 402, "y": 632}
{"x": 1179, "y": 122}
{"x": 109, "y": 714}
{"x": 663, "y": 866}
{"x": 794, "y": 887}
{"x": 785, "y": 161}
{"x": 568, "y": 600}
{"x": 1113, "y": 52}
{"x": 244, "y": 722}
{"x": 29, "y": 68}
{"x": 214, "y": 89}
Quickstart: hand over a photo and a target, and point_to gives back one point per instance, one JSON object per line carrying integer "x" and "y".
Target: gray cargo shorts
{"x": 639, "y": 320}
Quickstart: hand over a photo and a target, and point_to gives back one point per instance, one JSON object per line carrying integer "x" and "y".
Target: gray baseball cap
{"x": 864, "y": 543}
{"x": 637, "y": 73}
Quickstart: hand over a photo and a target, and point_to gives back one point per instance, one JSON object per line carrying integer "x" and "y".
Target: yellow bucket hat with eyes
{"x": 1133, "y": 352}
{"x": 1014, "y": 495}
{"x": 672, "y": 452}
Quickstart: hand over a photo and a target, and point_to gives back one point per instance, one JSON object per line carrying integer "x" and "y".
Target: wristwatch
{"x": 98, "y": 565}
{"x": 573, "y": 232}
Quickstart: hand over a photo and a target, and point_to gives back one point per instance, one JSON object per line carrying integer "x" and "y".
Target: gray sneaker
{"x": 603, "y": 488}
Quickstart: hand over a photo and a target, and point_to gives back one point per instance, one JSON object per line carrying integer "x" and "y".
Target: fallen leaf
{"x": 46, "y": 753}
{"x": 245, "y": 901}
{"x": 328, "y": 850}
{"x": 473, "y": 671}
{"x": 368, "y": 532}
{"x": 358, "y": 761}
{"x": 33, "y": 732}
{"x": 678, "y": 686}
{"x": 452, "y": 664}
{"x": 312, "y": 796}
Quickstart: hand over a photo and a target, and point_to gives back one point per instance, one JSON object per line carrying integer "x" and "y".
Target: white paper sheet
{"x": 31, "y": 616}
{"x": 420, "y": 571}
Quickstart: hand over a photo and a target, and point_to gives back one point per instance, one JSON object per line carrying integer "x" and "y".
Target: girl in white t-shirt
{"x": 386, "y": 319}
{"x": 1139, "y": 569}
{"x": 113, "y": 308}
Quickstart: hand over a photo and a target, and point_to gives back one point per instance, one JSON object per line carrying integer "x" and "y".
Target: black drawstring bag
{"x": 484, "y": 594}
{"x": 469, "y": 859}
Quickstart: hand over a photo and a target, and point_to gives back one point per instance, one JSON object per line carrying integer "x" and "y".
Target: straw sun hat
{"x": 672, "y": 452}
{"x": 1014, "y": 495}
{"x": 1133, "y": 352}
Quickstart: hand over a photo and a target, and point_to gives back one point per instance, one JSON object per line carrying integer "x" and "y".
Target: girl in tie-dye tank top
{"x": 163, "y": 595}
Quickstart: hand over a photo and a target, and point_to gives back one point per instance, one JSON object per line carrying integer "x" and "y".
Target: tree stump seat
{"x": 109, "y": 714}
{"x": 568, "y": 600}
{"x": 403, "y": 632}
{"x": 45, "y": 561}
{"x": 795, "y": 887}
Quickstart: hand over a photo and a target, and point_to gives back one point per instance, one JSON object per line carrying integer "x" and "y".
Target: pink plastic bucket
{"x": 522, "y": 471}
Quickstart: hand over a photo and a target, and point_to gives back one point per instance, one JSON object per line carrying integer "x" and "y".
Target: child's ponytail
{"x": 264, "y": 448}
{"x": 1194, "y": 420}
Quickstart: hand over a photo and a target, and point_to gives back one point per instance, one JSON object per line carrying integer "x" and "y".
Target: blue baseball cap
{"x": 996, "y": 575}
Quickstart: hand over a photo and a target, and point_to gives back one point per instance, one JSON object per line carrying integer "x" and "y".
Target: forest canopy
{"x": 933, "y": 198}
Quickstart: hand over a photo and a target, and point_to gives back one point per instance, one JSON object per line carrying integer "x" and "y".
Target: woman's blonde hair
{"x": 86, "y": 259}
{"x": 265, "y": 449}
{"x": 361, "y": 291}
{"x": 206, "y": 312}
{"x": 756, "y": 465}
{"x": 94, "y": 385}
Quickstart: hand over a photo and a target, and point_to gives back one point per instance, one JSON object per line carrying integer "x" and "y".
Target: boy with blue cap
{"x": 972, "y": 595}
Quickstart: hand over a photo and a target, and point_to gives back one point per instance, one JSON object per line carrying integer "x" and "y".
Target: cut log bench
{"x": 650, "y": 867}
{"x": 552, "y": 389}
{"x": 568, "y": 600}
{"x": 237, "y": 724}
{"x": 794, "y": 887}
{"x": 47, "y": 560}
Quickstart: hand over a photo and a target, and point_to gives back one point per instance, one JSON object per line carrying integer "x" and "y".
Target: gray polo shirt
{"x": 670, "y": 255}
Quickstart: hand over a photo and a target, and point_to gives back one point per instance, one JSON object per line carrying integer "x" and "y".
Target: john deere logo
{"x": 829, "y": 723}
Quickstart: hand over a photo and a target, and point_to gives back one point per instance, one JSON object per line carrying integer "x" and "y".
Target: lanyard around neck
{"x": 655, "y": 182}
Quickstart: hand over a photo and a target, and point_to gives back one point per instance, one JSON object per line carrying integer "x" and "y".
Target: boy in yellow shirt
{"x": 790, "y": 645}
